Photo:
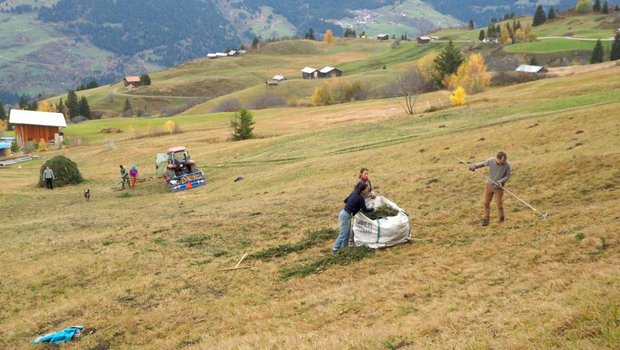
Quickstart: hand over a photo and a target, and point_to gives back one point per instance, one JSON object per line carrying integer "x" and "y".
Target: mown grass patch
{"x": 343, "y": 257}
{"x": 313, "y": 238}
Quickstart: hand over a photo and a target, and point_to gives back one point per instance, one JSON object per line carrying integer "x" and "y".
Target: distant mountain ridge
{"x": 106, "y": 39}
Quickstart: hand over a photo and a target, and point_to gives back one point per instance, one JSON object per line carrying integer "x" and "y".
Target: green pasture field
{"x": 555, "y": 45}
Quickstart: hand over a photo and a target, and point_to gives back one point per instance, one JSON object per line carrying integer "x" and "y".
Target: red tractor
{"x": 178, "y": 170}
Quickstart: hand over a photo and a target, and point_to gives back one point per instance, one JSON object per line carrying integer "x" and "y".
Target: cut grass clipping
{"x": 382, "y": 212}
{"x": 343, "y": 257}
{"x": 313, "y": 238}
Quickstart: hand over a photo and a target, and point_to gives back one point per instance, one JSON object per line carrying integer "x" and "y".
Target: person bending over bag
{"x": 353, "y": 203}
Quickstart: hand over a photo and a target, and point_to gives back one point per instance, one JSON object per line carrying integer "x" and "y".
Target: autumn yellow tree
{"x": 427, "y": 68}
{"x": 472, "y": 75}
{"x": 45, "y": 106}
{"x": 506, "y": 39}
{"x": 458, "y": 96}
{"x": 328, "y": 38}
{"x": 520, "y": 35}
{"x": 171, "y": 127}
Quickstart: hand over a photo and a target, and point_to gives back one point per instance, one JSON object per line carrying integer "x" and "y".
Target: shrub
{"x": 14, "y": 146}
{"x": 42, "y": 145}
{"x": 30, "y": 146}
{"x": 267, "y": 100}
{"x": 509, "y": 78}
{"x": 338, "y": 92}
{"x": 458, "y": 96}
{"x": 65, "y": 171}
{"x": 228, "y": 105}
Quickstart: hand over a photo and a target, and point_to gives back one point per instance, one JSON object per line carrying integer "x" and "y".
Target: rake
{"x": 540, "y": 214}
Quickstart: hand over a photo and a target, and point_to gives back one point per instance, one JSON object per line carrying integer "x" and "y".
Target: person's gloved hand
{"x": 472, "y": 167}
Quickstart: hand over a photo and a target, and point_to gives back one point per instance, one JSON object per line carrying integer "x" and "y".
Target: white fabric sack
{"x": 383, "y": 232}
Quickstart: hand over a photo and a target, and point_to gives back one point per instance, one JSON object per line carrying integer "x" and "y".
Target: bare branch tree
{"x": 411, "y": 84}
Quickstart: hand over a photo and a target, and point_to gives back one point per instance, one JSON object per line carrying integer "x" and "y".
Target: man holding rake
{"x": 499, "y": 173}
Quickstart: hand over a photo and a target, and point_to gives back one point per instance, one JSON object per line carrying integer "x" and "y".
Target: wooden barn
{"x": 308, "y": 73}
{"x": 328, "y": 72}
{"x": 34, "y": 126}
{"x": 131, "y": 81}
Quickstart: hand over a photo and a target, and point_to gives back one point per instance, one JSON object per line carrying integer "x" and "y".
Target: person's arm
{"x": 363, "y": 205}
{"x": 475, "y": 166}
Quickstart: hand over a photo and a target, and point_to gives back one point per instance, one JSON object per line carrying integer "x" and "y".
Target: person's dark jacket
{"x": 354, "y": 203}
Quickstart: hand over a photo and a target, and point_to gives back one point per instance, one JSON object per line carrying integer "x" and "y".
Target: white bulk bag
{"x": 383, "y": 232}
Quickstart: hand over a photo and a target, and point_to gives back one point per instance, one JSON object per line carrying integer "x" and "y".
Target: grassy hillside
{"x": 207, "y": 83}
{"x": 144, "y": 267}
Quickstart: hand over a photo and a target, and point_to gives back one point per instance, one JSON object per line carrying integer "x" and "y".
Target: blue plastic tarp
{"x": 61, "y": 336}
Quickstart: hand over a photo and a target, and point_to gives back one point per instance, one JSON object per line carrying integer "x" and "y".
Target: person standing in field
{"x": 124, "y": 177}
{"x": 133, "y": 173}
{"x": 499, "y": 173}
{"x": 364, "y": 176}
{"x": 48, "y": 176}
{"x": 353, "y": 203}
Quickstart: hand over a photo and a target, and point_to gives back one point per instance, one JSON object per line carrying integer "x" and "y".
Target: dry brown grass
{"x": 144, "y": 267}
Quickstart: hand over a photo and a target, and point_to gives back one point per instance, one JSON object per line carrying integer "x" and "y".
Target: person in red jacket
{"x": 133, "y": 174}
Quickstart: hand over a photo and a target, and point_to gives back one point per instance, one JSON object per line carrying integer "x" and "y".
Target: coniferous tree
{"x": 447, "y": 62}
{"x": 481, "y": 35}
{"x": 597, "y": 53}
{"x": 145, "y": 80}
{"x": 32, "y": 105}
{"x": 551, "y": 13}
{"x": 471, "y": 25}
{"x": 539, "y": 16}
{"x": 255, "y": 42}
{"x": 22, "y": 103}
{"x": 92, "y": 84}
{"x": 349, "y": 33}
{"x": 605, "y": 8}
{"x": 597, "y": 6}
{"x": 72, "y": 106}
{"x": 310, "y": 34}
{"x": 242, "y": 125}
{"x": 60, "y": 107}
{"x": 2, "y": 112}
{"x": 617, "y": 9}
{"x": 127, "y": 106}
{"x": 614, "y": 54}
{"x": 85, "y": 108}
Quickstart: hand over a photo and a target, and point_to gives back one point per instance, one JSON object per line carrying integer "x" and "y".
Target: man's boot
{"x": 485, "y": 222}
{"x": 501, "y": 220}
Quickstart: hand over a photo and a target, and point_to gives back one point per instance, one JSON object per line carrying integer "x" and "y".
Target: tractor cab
{"x": 178, "y": 170}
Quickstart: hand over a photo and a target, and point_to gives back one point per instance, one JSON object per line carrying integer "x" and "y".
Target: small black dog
{"x": 87, "y": 194}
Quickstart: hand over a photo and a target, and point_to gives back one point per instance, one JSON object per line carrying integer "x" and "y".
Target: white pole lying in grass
{"x": 542, "y": 215}
{"x": 237, "y": 266}
{"x": 239, "y": 263}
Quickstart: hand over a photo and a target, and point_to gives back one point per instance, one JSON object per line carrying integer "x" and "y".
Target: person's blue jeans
{"x": 344, "y": 220}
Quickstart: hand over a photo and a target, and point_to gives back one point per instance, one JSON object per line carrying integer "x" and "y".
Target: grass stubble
{"x": 145, "y": 269}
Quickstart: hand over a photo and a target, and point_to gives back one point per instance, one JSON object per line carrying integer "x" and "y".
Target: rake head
{"x": 543, "y": 215}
